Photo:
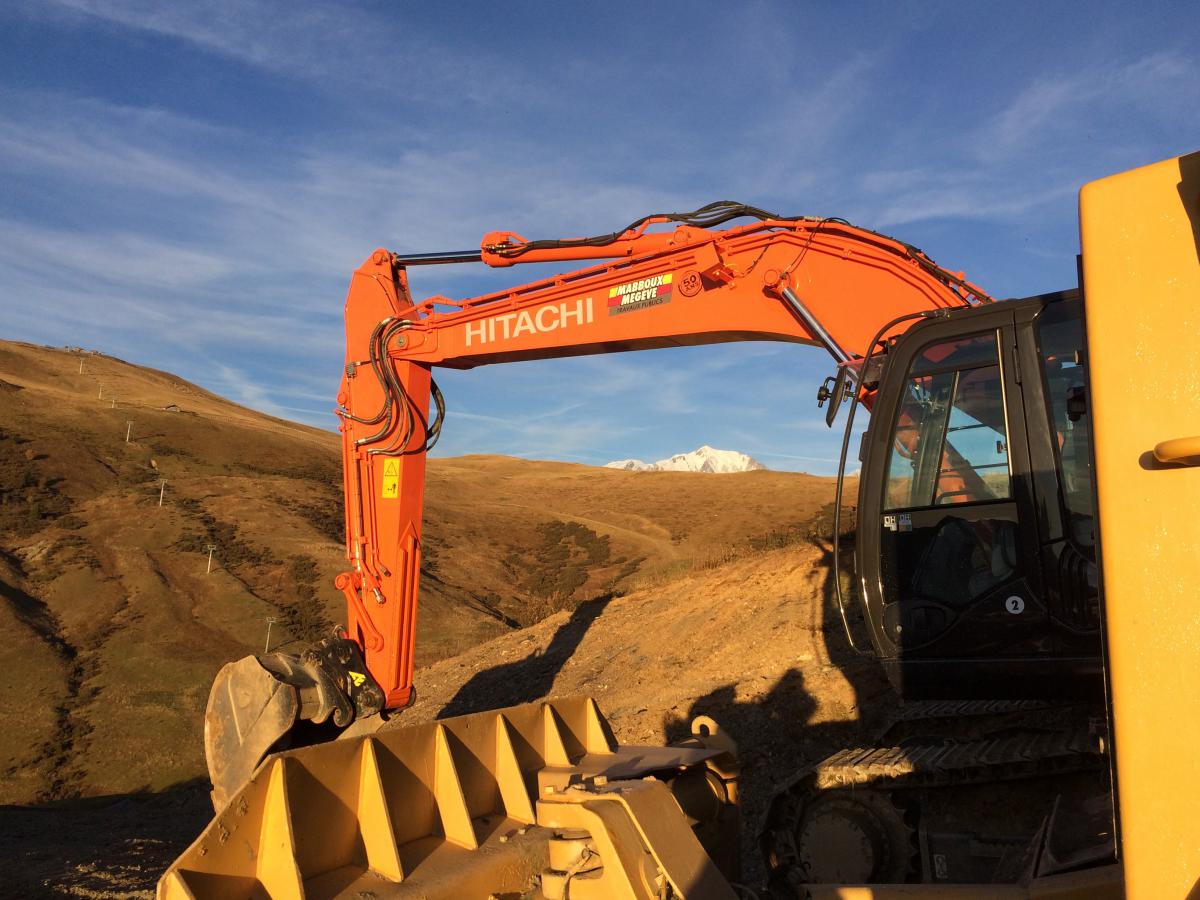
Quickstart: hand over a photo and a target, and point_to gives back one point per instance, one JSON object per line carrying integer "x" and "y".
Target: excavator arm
{"x": 820, "y": 282}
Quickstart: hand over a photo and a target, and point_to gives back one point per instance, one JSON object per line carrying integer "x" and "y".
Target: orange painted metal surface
{"x": 689, "y": 286}
{"x": 384, "y": 490}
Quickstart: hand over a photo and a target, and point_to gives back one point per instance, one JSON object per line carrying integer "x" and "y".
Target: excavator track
{"x": 961, "y": 709}
{"x": 1016, "y": 757}
{"x": 932, "y": 809}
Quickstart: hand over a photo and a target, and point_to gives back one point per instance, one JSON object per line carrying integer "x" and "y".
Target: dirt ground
{"x": 103, "y": 848}
{"x": 753, "y": 643}
{"x": 749, "y": 642}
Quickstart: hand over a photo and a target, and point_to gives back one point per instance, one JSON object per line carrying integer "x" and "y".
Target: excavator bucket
{"x": 536, "y": 800}
{"x": 248, "y": 711}
{"x": 255, "y": 704}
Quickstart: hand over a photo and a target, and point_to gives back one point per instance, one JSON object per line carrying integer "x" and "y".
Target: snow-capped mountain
{"x": 705, "y": 459}
{"x": 631, "y": 465}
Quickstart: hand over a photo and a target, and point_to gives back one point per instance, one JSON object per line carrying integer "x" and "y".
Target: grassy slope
{"x": 115, "y": 630}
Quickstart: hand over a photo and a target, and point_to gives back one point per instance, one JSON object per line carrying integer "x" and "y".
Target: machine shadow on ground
{"x": 528, "y": 679}
{"x": 110, "y": 846}
{"x": 781, "y": 734}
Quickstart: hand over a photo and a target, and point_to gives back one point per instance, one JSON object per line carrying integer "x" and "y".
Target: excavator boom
{"x": 820, "y": 282}
{"x": 805, "y": 281}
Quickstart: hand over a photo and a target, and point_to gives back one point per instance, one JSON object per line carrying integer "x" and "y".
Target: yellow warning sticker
{"x": 391, "y": 479}
{"x": 357, "y": 677}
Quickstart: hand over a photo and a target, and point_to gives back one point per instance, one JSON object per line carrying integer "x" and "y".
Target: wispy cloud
{"x": 247, "y": 390}
{"x": 126, "y": 260}
{"x": 539, "y": 416}
{"x": 1053, "y": 108}
{"x": 768, "y": 454}
{"x": 332, "y": 49}
{"x": 212, "y": 230}
{"x": 1029, "y": 154}
{"x": 288, "y": 38}
{"x": 586, "y": 438}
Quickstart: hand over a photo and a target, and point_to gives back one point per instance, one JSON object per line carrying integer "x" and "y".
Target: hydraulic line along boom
{"x": 802, "y": 280}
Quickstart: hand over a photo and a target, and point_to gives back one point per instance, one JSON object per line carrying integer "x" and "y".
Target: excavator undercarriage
{"x": 952, "y": 793}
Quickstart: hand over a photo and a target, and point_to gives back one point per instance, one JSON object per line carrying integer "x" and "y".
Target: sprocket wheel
{"x": 854, "y": 836}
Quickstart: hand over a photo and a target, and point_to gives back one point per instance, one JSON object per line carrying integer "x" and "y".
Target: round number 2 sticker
{"x": 1015, "y": 605}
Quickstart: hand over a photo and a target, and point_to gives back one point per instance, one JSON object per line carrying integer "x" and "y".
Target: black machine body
{"x": 975, "y": 547}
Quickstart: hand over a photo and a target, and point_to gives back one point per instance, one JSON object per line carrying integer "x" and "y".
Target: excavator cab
{"x": 975, "y": 553}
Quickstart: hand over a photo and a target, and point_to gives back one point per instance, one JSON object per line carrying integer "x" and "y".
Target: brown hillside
{"x": 751, "y": 641}
{"x": 115, "y": 629}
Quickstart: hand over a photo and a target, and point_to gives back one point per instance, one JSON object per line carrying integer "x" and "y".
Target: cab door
{"x": 952, "y": 583}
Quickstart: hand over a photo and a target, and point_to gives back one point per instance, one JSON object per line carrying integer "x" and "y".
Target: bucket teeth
{"x": 381, "y": 804}
{"x": 440, "y": 810}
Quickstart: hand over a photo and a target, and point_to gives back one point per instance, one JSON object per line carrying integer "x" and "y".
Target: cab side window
{"x": 1060, "y": 336}
{"x": 950, "y": 441}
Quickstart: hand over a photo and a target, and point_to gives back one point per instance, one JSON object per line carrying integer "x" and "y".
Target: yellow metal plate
{"x": 1140, "y": 233}
{"x": 391, "y": 479}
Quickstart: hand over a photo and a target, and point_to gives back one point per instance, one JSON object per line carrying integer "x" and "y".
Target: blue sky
{"x": 189, "y": 185}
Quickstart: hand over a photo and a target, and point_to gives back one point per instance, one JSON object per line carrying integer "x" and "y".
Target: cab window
{"x": 950, "y": 441}
{"x": 1060, "y": 339}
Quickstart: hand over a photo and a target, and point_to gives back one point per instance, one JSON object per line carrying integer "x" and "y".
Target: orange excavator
{"x": 803, "y": 280}
{"x": 976, "y": 581}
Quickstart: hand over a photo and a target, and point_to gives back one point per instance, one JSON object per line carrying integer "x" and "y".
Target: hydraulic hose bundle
{"x": 396, "y": 399}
